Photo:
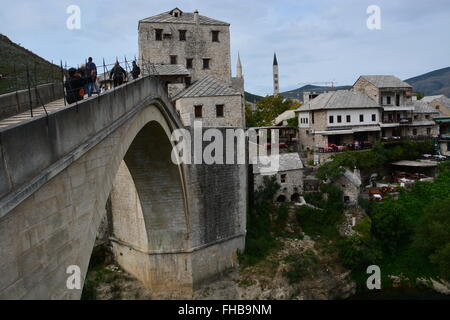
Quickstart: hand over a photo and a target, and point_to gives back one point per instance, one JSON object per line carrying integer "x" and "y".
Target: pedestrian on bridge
{"x": 74, "y": 86}
{"x": 91, "y": 76}
{"x": 136, "y": 71}
{"x": 118, "y": 74}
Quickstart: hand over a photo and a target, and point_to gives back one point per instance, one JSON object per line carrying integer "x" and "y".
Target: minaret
{"x": 238, "y": 82}
{"x": 276, "y": 83}
{"x": 239, "y": 67}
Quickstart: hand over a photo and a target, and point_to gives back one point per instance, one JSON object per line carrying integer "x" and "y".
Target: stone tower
{"x": 276, "y": 82}
{"x": 199, "y": 43}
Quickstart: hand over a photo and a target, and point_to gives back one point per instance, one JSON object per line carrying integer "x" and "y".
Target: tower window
{"x": 198, "y": 111}
{"x": 283, "y": 178}
{"x": 182, "y": 34}
{"x": 189, "y": 63}
{"x": 349, "y": 118}
{"x": 361, "y": 118}
{"x": 206, "y": 63}
{"x": 388, "y": 100}
{"x": 158, "y": 34}
{"x": 215, "y": 36}
{"x": 173, "y": 59}
{"x": 374, "y": 117}
{"x": 331, "y": 119}
{"x": 219, "y": 110}
{"x": 339, "y": 119}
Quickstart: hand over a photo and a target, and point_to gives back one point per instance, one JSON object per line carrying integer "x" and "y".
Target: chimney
{"x": 305, "y": 97}
{"x": 196, "y": 16}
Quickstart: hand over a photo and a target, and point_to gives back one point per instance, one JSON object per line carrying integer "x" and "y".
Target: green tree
{"x": 267, "y": 109}
{"x": 433, "y": 235}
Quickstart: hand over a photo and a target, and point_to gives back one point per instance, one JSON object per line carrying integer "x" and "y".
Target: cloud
{"x": 314, "y": 40}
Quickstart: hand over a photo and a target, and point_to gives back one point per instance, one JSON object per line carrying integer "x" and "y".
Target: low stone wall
{"x": 19, "y": 101}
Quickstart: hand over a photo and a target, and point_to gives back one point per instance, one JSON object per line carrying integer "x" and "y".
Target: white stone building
{"x": 376, "y": 107}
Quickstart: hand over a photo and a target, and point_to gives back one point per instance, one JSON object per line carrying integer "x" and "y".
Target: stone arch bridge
{"x": 172, "y": 227}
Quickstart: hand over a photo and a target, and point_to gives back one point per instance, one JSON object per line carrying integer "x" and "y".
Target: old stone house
{"x": 338, "y": 117}
{"x": 289, "y": 174}
{"x": 376, "y": 107}
{"x": 440, "y": 102}
{"x": 350, "y": 184}
{"x": 215, "y": 104}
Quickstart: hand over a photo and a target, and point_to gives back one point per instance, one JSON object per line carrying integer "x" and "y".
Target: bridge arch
{"x": 57, "y": 226}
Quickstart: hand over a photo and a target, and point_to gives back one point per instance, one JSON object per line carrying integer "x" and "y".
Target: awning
{"x": 362, "y": 129}
{"x": 442, "y": 120}
{"x": 349, "y": 131}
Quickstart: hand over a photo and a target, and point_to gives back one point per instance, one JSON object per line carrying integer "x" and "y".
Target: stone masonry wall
{"x": 198, "y": 46}
{"x": 233, "y": 111}
{"x": 17, "y": 102}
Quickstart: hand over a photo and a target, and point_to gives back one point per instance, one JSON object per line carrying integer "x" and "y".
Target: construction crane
{"x": 327, "y": 83}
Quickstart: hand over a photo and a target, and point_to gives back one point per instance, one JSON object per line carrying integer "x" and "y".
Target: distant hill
{"x": 432, "y": 83}
{"x": 250, "y": 97}
{"x": 13, "y": 56}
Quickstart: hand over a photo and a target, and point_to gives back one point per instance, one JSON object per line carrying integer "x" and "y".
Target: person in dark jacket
{"x": 136, "y": 71}
{"x": 118, "y": 74}
{"x": 91, "y": 76}
{"x": 74, "y": 86}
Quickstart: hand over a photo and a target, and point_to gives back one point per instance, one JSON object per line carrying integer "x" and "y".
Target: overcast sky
{"x": 315, "y": 40}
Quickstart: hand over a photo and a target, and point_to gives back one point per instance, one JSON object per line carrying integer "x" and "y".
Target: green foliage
{"x": 13, "y": 63}
{"x": 380, "y": 154}
{"x": 322, "y": 222}
{"x": 260, "y": 240}
{"x": 267, "y": 109}
{"x": 409, "y": 235}
{"x": 331, "y": 170}
{"x": 300, "y": 266}
{"x": 443, "y": 166}
{"x": 358, "y": 252}
{"x": 293, "y": 122}
{"x": 433, "y": 234}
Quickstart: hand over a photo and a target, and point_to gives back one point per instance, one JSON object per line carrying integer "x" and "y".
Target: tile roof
{"x": 286, "y": 162}
{"x": 207, "y": 87}
{"x": 386, "y": 82}
{"x": 340, "y": 99}
{"x": 168, "y": 70}
{"x": 185, "y": 17}
{"x": 432, "y": 98}
{"x": 423, "y": 107}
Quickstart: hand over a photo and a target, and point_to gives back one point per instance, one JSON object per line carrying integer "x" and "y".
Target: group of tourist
{"x": 84, "y": 80}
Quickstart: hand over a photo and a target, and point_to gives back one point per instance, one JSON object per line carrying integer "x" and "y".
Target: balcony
{"x": 401, "y": 121}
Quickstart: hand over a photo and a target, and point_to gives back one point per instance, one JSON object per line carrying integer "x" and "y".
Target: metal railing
{"x": 31, "y": 75}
